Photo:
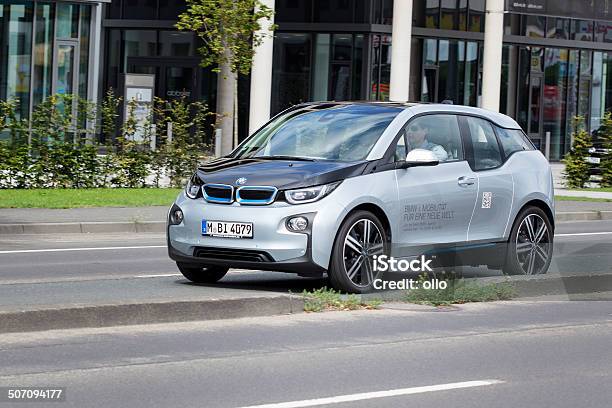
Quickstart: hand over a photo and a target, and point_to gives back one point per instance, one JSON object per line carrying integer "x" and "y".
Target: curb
{"x": 160, "y": 226}
{"x": 147, "y": 313}
{"x": 544, "y": 285}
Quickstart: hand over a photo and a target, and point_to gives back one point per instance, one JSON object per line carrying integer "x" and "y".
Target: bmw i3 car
{"x": 324, "y": 188}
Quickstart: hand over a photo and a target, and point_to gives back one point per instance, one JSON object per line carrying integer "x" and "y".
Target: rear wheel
{"x": 531, "y": 243}
{"x": 360, "y": 238}
{"x": 198, "y": 274}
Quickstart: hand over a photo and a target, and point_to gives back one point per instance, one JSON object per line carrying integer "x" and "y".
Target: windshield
{"x": 329, "y": 132}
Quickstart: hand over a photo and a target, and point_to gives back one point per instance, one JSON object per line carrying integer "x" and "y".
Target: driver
{"x": 417, "y": 139}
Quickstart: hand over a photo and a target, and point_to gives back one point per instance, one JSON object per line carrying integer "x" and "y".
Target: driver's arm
{"x": 440, "y": 153}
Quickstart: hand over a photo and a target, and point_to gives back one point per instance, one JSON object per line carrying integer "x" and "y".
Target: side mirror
{"x": 419, "y": 157}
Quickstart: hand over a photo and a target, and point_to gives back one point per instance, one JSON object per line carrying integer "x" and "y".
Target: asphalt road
{"x": 580, "y": 247}
{"x": 511, "y": 354}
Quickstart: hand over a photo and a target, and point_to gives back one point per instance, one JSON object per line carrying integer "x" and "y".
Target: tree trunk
{"x": 226, "y": 80}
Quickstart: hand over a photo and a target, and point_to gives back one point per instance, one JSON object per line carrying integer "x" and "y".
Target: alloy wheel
{"x": 533, "y": 245}
{"x": 363, "y": 241}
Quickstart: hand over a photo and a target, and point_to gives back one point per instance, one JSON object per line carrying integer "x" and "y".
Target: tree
{"x": 229, "y": 31}
{"x": 605, "y": 135}
{"x": 576, "y": 165}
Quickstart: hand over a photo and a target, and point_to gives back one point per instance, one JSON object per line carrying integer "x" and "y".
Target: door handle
{"x": 466, "y": 181}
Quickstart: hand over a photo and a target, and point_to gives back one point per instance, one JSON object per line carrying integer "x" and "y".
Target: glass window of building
{"x": 557, "y": 28}
{"x": 512, "y": 24}
{"x": 572, "y": 93}
{"x": 341, "y": 67}
{"x": 601, "y": 99}
{"x": 113, "y": 58}
{"x": 509, "y": 80}
{"x": 381, "y": 67}
{"x": 84, "y": 50}
{"x": 67, "y": 20}
{"x": 449, "y": 14}
{"x": 333, "y": 11}
{"x": 176, "y": 44}
{"x": 476, "y": 15}
{"x": 170, "y": 9}
{"x": 387, "y": 12}
{"x": 293, "y": 11}
{"x": 43, "y": 52}
{"x": 555, "y": 91}
{"x": 15, "y": 58}
{"x": 291, "y": 70}
{"x": 357, "y": 66}
{"x": 113, "y": 9}
{"x": 603, "y": 31}
{"x": 432, "y": 13}
{"x": 321, "y": 60}
{"x": 139, "y": 43}
{"x": 534, "y": 26}
{"x": 140, "y": 9}
{"x": 582, "y": 30}
{"x": 385, "y": 68}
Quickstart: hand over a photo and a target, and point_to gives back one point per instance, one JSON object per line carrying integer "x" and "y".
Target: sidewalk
{"x": 153, "y": 219}
{"x": 82, "y": 220}
{"x": 589, "y": 194}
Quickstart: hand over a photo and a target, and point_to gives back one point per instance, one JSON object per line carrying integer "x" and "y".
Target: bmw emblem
{"x": 241, "y": 181}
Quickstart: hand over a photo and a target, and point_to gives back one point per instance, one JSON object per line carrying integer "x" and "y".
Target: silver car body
{"x": 524, "y": 178}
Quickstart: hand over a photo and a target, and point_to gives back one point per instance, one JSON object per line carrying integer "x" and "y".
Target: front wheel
{"x": 196, "y": 274}
{"x": 530, "y": 246}
{"x": 360, "y": 237}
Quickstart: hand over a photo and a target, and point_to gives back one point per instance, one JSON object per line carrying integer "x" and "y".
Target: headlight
{"x": 310, "y": 194}
{"x": 193, "y": 187}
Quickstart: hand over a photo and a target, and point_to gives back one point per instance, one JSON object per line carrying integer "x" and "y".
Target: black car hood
{"x": 282, "y": 174}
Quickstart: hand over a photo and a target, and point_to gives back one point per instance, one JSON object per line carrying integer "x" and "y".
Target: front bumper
{"x": 273, "y": 246}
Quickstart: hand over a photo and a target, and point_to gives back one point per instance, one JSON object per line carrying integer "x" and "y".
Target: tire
{"x": 344, "y": 274}
{"x": 530, "y": 248}
{"x": 197, "y": 274}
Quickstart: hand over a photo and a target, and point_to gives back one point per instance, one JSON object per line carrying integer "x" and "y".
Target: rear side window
{"x": 513, "y": 140}
{"x": 484, "y": 144}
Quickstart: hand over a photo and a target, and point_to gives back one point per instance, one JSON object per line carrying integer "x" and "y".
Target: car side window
{"x": 484, "y": 144}
{"x": 438, "y": 133}
{"x": 512, "y": 140}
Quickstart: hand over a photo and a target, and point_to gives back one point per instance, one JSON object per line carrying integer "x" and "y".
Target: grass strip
{"x": 87, "y": 197}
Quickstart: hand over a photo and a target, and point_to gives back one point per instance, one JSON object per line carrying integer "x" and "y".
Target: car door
{"x": 435, "y": 203}
{"x": 495, "y": 183}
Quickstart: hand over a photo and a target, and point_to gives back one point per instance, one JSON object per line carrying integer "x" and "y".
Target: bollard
{"x": 547, "y": 146}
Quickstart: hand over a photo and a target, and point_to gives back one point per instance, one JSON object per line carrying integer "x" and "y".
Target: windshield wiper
{"x": 284, "y": 158}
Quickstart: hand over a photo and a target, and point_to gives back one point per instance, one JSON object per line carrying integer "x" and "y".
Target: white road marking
{"x": 580, "y": 234}
{"x": 378, "y": 394}
{"x": 28, "y": 251}
{"x": 161, "y": 275}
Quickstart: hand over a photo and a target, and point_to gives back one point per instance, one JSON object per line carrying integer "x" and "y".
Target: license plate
{"x": 227, "y": 229}
{"x": 594, "y": 160}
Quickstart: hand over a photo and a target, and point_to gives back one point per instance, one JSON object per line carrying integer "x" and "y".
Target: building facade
{"x": 554, "y": 59}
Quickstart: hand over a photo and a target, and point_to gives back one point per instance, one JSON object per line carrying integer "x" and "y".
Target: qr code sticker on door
{"x": 486, "y": 199}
